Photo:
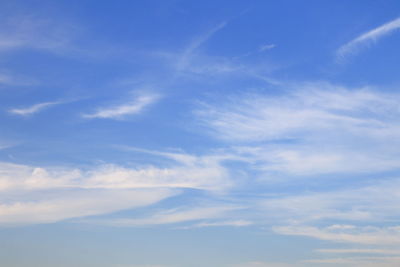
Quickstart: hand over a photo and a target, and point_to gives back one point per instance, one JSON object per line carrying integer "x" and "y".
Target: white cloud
{"x": 32, "y": 109}
{"x": 312, "y": 108}
{"x": 266, "y": 47}
{"x": 317, "y": 129}
{"x": 234, "y": 223}
{"x": 117, "y": 112}
{"x": 35, "y": 194}
{"x": 369, "y": 37}
{"x": 205, "y": 173}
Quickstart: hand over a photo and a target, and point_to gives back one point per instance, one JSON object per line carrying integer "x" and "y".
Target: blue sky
{"x": 199, "y": 133}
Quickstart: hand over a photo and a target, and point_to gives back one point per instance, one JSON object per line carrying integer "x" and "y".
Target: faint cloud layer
{"x": 35, "y": 32}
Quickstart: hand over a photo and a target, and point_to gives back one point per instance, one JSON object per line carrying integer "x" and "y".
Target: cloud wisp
{"x": 369, "y": 37}
{"x": 34, "y": 32}
{"x": 33, "y": 109}
{"x": 347, "y": 233}
{"x": 266, "y": 47}
{"x": 175, "y": 216}
{"x": 185, "y": 57}
{"x": 120, "y": 111}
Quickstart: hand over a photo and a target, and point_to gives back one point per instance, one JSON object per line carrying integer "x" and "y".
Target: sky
{"x": 168, "y": 133}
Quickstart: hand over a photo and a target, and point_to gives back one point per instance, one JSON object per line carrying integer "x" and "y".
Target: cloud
{"x": 357, "y": 261}
{"x": 371, "y": 203}
{"x": 367, "y": 235}
{"x": 55, "y": 206}
{"x": 205, "y": 173}
{"x": 307, "y": 109}
{"x": 234, "y": 223}
{"x": 316, "y": 129}
{"x": 369, "y": 37}
{"x": 266, "y": 47}
{"x": 360, "y": 251}
{"x": 175, "y": 216}
{"x": 117, "y": 112}
{"x": 187, "y": 54}
{"x": 5, "y": 79}
{"x": 32, "y": 109}
{"x": 12, "y": 80}
{"x": 265, "y": 264}
{"x": 33, "y": 32}
{"x": 38, "y": 195}
{"x": 140, "y": 265}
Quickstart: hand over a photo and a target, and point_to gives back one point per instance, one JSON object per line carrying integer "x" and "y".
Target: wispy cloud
{"x": 234, "y": 223}
{"x": 355, "y": 261}
{"x": 265, "y": 264}
{"x": 266, "y": 47}
{"x": 185, "y": 57}
{"x": 14, "y": 80}
{"x": 33, "y": 109}
{"x": 176, "y": 216}
{"x": 347, "y": 234}
{"x": 5, "y": 79}
{"x": 31, "y": 31}
{"x": 284, "y": 133}
{"x": 52, "y": 206}
{"x": 369, "y": 37}
{"x": 119, "y": 111}
{"x": 360, "y": 251}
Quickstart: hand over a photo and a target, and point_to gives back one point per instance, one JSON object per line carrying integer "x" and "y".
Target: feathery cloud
{"x": 369, "y": 37}
{"x": 32, "y": 109}
{"x": 120, "y": 111}
{"x": 285, "y": 133}
{"x": 176, "y": 216}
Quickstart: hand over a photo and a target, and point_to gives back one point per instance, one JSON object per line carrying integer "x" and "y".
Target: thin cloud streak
{"x": 366, "y": 235}
{"x": 360, "y": 251}
{"x": 174, "y": 216}
{"x": 33, "y": 109}
{"x": 120, "y": 111}
{"x": 266, "y": 47}
{"x": 369, "y": 37}
{"x": 200, "y": 40}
